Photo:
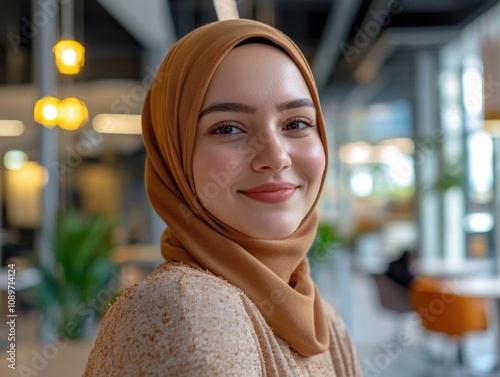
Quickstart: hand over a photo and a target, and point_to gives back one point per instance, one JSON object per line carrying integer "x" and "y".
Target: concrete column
{"x": 151, "y": 60}
{"x": 496, "y": 208}
{"x": 45, "y": 18}
{"x": 427, "y": 154}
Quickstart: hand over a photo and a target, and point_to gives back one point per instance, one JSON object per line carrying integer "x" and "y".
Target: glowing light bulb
{"x": 73, "y": 114}
{"x": 46, "y": 111}
{"x": 70, "y": 56}
{"x": 49, "y": 112}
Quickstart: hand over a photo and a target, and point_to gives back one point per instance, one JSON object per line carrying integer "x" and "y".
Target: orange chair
{"x": 446, "y": 312}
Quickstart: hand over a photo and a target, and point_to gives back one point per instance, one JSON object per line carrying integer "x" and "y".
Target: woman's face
{"x": 258, "y": 158}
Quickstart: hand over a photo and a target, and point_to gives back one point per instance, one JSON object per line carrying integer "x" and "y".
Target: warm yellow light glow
{"x": 70, "y": 56}
{"x": 382, "y": 153}
{"x": 117, "y": 124}
{"x": 363, "y": 153}
{"x": 69, "y": 113}
{"x": 356, "y": 153}
{"x": 11, "y": 128}
{"x": 72, "y": 114}
{"x": 14, "y": 159}
{"x": 46, "y": 111}
{"x": 50, "y": 112}
{"x": 404, "y": 145}
{"x": 23, "y": 194}
{"x": 492, "y": 127}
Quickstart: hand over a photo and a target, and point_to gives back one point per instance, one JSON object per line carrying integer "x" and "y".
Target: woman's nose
{"x": 273, "y": 154}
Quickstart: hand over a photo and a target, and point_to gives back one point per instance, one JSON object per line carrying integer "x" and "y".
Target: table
{"x": 481, "y": 287}
{"x": 451, "y": 269}
{"x": 484, "y": 287}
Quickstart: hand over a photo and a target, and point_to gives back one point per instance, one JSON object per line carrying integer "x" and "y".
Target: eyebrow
{"x": 300, "y": 102}
{"x": 248, "y": 109}
{"x": 230, "y": 107}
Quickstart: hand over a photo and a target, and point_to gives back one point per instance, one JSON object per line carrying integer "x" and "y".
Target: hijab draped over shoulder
{"x": 273, "y": 273}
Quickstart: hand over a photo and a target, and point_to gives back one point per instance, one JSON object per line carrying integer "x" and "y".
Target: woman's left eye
{"x": 298, "y": 124}
{"x": 225, "y": 129}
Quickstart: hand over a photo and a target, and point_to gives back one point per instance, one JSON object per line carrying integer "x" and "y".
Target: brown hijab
{"x": 272, "y": 273}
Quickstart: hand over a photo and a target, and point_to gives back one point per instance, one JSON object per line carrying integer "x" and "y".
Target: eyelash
{"x": 215, "y": 130}
{"x": 305, "y": 121}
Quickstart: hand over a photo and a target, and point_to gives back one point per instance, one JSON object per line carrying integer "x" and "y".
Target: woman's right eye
{"x": 225, "y": 129}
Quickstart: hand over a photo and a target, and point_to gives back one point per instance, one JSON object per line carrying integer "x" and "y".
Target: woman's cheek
{"x": 215, "y": 170}
{"x": 313, "y": 161}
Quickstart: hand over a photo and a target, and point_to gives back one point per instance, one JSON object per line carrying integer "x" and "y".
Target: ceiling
{"x": 348, "y": 42}
{"x": 336, "y": 36}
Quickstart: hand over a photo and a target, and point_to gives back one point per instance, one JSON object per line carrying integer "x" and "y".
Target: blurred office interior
{"x": 410, "y": 92}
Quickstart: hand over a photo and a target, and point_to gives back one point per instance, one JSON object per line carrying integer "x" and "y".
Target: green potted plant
{"x": 76, "y": 288}
{"x": 328, "y": 239}
{"x": 453, "y": 175}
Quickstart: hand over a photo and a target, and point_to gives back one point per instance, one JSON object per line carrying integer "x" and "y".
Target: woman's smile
{"x": 271, "y": 192}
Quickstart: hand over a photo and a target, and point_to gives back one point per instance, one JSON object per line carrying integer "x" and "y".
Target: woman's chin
{"x": 277, "y": 231}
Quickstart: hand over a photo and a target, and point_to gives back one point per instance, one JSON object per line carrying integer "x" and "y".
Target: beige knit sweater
{"x": 180, "y": 321}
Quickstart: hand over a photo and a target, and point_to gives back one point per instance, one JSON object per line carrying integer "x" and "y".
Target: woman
{"x": 236, "y": 160}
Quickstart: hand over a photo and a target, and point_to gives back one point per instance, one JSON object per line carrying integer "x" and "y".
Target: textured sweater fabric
{"x": 181, "y": 321}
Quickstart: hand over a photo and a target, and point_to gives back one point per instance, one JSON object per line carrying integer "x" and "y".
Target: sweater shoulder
{"x": 170, "y": 321}
{"x": 171, "y": 285}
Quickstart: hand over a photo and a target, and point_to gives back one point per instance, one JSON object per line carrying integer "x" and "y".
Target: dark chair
{"x": 392, "y": 296}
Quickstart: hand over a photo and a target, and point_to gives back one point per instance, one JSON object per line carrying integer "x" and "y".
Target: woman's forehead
{"x": 259, "y": 67}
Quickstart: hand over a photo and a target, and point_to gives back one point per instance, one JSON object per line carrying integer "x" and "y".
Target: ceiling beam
{"x": 336, "y": 31}
{"x": 394, "y": 38}
{"x": 148, "y": 21}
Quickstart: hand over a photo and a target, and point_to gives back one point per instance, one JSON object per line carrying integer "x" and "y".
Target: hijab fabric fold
{"x": 274, "y": 274}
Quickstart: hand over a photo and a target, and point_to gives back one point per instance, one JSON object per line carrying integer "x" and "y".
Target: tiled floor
{"x": 386, "y": 346}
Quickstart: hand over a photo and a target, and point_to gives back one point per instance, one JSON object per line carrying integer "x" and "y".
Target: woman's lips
{"x": 271, "y": 192}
